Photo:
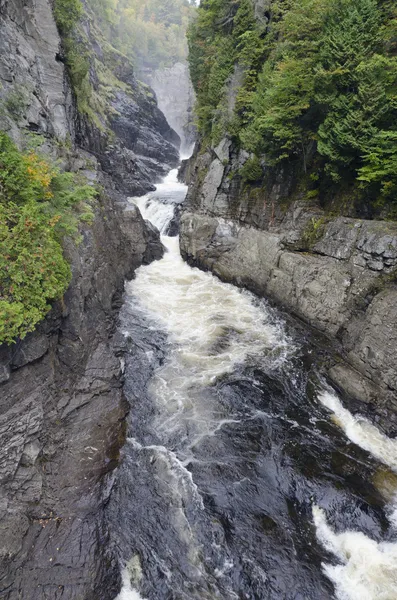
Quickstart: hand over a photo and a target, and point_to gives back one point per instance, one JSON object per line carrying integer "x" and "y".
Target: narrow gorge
{"x": 198, "y": 360}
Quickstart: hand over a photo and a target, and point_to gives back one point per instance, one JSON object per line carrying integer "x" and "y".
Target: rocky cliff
{"x": 62, "y": 411}
{"x": 118, "y": 118}
{"x": 337, "y": 274}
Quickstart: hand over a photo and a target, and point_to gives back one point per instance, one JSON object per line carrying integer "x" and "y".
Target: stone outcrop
{"x": 62, "y": 423}
{"x": 337, "y": 274}
{"x": 121, "y": 121}
{"x": 124, "y": 127}
{"x": 33, "y": 90}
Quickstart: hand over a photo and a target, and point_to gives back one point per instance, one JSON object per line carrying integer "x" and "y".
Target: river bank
{"x": 336, "y": 274}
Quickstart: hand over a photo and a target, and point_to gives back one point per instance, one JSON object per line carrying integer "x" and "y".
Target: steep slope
{"x": 175, "y": 96}
{"x": 62, "y": 413}
{"x": 155, "y": 35}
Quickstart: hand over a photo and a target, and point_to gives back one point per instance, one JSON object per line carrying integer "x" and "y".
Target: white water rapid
{"x": 213, "y": 326}
{"x": 368, "y": 569}
{"x": 212, "y": 330}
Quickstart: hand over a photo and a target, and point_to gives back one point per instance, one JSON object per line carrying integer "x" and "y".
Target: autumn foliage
{"x": 39, "y": 205}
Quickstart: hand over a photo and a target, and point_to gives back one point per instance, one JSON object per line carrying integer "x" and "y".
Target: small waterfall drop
{"x": 368, "y": 569}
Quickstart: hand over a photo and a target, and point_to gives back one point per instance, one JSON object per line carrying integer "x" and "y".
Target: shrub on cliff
{"x": 252, "y": 170}
{"x": 38, "y": 206}
{"x": 67, "y": 13}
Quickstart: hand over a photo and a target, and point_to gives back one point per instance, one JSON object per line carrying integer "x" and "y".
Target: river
{"x": 244, "y": 476}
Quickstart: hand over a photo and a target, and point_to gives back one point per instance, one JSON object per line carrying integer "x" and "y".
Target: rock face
{"x": 129, "y": 135}
{"x": 338, "y": 275}
{"x": 176, "y": 99}
{"x": 62, "y": 412}
{"x": 62, "y": 423}
{"x": 122, "y": 123}
{"x": 33, "y": 93}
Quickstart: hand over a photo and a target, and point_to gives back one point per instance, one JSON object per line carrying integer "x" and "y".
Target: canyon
{"x": 210, "y": 409}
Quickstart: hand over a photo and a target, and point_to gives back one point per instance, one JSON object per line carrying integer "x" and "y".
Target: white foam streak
{"x": 127, "y": 592}
{"x": 360, "y": 431}
{"x": 158, "y": 207}
{"x": 214, "y": 325}
{"x": 155, "y": 212}
{"x": 369, "y": 568}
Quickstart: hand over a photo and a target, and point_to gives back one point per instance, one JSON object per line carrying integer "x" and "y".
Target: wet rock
{"x": 353, "y": 383}
{"x": 62, "y": 422}
{"x": 330, "y": 288}
{"x": 173, "y": 226}
{"x": 144, "y": 129}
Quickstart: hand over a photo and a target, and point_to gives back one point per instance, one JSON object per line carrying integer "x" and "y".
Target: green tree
{"x": 319, "y": 86}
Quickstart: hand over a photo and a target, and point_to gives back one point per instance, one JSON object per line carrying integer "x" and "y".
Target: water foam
{"x": 156, "y": 212}
{"x": 360, "y": 431}
{"x": 369, "y": 568}
{"x": 213, "y": 326}
{"x": 127, "y": 592}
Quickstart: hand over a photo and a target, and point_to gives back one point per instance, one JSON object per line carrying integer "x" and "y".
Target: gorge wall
{"x": 288, "y": 195}
{"x": 62, "y": 412}
{"x": 176, "y": 99}
{"x": 337, "y": 274}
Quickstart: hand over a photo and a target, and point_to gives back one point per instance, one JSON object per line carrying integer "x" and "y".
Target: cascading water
{"x": 237, "y": 481}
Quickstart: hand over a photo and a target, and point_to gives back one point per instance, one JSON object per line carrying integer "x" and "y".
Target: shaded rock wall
{"x": 62, "y": 412}
{"x": 120, "y": 120}
{"x": 62, "y": 424}
{"x": 337, "y": 274}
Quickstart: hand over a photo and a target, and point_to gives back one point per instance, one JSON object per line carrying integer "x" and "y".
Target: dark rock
{"x": 132, "y": 140}
{"x": 62, "y": 424}
{"x": 33, "y": 348}
{"x": 62, "y": 409}
{"x": 173, "y": 226}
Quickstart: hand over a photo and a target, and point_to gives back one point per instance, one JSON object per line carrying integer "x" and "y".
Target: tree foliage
{"x": 38, "y": 205}
{"x": 148, "y": 33}
{"x": 317, "y": 74}
{"x": 151, "y": 32}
